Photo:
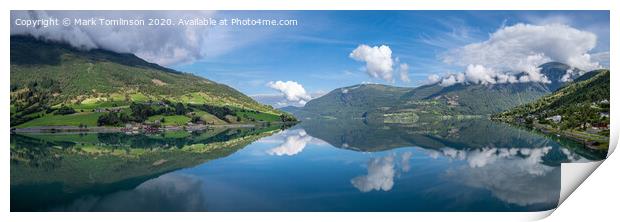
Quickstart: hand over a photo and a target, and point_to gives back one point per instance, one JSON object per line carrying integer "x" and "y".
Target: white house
{"x": 555, "y": 119}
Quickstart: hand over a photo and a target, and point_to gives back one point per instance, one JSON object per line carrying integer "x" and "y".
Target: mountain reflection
{"x": 516, "y": 166}
{"x": 318, "y": 165}
{"x": 169, "y": 192}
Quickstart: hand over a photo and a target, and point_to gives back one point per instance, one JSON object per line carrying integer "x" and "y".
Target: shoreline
{"x": 587, "y": 142}
{"x": 108, "y": 129}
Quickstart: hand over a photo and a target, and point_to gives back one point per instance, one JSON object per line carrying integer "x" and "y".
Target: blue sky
{"x": 315, "y": 53}
{"x": 326, "y": 50}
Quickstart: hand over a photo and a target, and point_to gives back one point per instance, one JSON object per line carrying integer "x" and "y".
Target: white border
{"x": 594, "y": 202}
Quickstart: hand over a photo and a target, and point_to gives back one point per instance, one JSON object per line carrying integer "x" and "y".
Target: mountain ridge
{"x": 432, "y": 100}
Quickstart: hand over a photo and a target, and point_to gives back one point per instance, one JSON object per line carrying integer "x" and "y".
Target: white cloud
{"x": 452, "y": 79}
{"x": 293, "y": 91}
{"x": 404, "y": 72}
{"x": 432, "y": 79}
{"x": 570, "y": 75}
{"x": 378, "y": 59}
{"x": 279, "y": 100}
{"x": 521, "y": 48}
{"x": 294, "y": 143}
{"x": 479, "y": 74}
{"x": 165, "y": 45}
{"x": 522, "y": 45}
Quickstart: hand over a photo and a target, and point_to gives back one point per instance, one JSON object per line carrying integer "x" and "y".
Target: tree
{"x": 140, "y": 112}
{"x": 287, "y": 118}
{"x": 195, "y": 119}
{"x": 109, "y": 119}
{"x": 179, "y": 109}
{"x": 64, "y": 110}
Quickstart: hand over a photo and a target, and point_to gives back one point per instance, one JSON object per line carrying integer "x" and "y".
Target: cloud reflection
{"x": 381, "y": 172}
{"x": 513, "y": 175}
{"x": 380, "y": 175}
{"x": 294, "y": 143}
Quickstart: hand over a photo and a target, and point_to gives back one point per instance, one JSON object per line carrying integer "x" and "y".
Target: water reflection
{"x": 48, "y": 170}
{"x": 528, "y": 159}
{"x": 170, "y": 192}
{"x": 380, "y": 175}
{"x": 514, "y": 175}
{"x": 381, "y": 172}
{"x": 329, "y": 166}
{"x": 295, "y": 141}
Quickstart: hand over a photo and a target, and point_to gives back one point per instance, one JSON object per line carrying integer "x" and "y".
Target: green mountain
{"x": 49, "y": 76}
{"x": 354, "y": 101}
{"x": 582, "y": 106}
{"x": 479, "y": 99}
{"x": 398, "y": 104}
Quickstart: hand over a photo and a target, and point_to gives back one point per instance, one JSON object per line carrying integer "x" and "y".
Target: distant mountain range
{"x": 400, "y": 104}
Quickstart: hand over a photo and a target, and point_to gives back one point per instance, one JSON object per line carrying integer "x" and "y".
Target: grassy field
{"x": 209, "y": 119}
{"x": 258, "y": 116}
{"x": 176, "y": 120}
{"x": 86, "y": 118}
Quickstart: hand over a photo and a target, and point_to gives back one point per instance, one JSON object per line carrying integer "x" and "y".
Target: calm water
{"x": 473, "y": 165}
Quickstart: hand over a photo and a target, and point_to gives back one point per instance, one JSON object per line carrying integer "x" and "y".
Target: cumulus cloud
{"x": 294, "y": 143}
{"x": 279, "y": 100}
{"x": 293, "y": 91}
{"x": 452, "y": 79}
{"x": 513, "y": 50}
{"x": 522, "y": 45}
{"x": 378, "y": 59}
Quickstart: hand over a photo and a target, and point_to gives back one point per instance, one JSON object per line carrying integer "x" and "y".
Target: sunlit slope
{"x": 73, "y": 76}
